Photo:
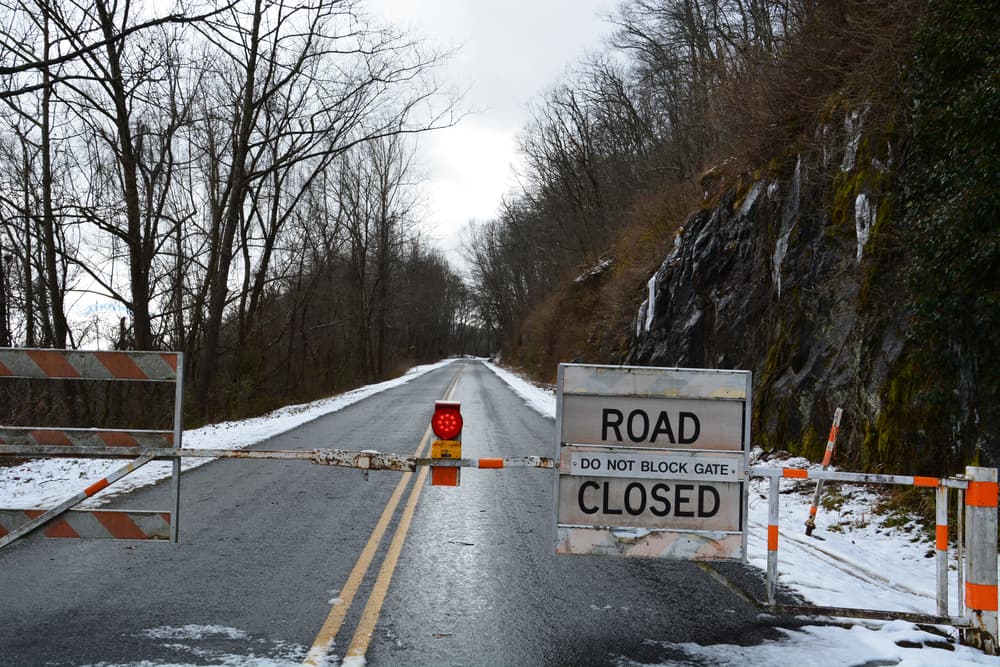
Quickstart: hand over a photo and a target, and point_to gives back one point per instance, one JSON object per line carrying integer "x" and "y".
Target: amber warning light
{"x": 447, "y": 420}
{"x": 447, "y": 426}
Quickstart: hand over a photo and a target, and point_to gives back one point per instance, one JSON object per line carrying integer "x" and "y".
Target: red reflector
{"x": 444, "y": 476}
{"x": 447, "y": 420}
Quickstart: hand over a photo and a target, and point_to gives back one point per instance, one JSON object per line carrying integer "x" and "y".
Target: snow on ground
{"x": 856, "y": 560}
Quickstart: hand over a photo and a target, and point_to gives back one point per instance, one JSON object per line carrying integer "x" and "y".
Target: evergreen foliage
{"x": 951, "y": 216}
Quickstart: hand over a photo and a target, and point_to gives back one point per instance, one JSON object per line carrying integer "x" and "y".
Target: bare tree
{"x": 79, "y": 39}
{"x": 201, "y": 158}
{"x": 129, "y": 145}
{"x": 376, "y": 208}
{"x": 29, "y": 118}
{"x": 294, "y": 86}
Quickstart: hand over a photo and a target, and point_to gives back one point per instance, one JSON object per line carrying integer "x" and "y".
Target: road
{"x": 278, "y": 563}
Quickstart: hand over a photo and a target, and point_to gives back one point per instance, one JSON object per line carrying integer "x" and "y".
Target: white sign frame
{"x": 633, "y": 439}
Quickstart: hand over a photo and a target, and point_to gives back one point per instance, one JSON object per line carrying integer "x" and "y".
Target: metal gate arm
{"x": 363, "y": 460}
{"x": 366, "y": 460}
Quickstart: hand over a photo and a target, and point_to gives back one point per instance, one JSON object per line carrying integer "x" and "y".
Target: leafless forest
{"x": 237, "y": 178}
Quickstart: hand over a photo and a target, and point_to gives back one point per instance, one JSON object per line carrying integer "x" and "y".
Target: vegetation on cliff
{"x": 805, "y": 189}
{"x": 949, "y": 187}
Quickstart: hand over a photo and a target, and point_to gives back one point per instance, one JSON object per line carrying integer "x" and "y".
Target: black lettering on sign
{"x": 684, "y": 499}
{"x": 637, "y": 426}
{"x": 659, "y": 495}
{"x": 612, "y": 419}
{"x": 663, "y": 427}
{"x": 634, "y": 434}
{"x": 624, "y": 465}
{"x": 703, "y": 510}
{"x": 583, "y": 489}
{"x": 689, "y": 500}
{"x": 635, "y": 508}
{"x": 607, "y": 502}
{"x": 692, "y": 418}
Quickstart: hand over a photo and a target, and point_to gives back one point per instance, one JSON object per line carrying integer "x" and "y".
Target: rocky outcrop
{"x": 784, "y": 274}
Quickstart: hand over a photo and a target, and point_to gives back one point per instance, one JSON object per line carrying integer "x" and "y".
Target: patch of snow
{"x": 864, "y": 218}
{"x": 647, "y": 311}
{"x": 640, "y": 318}
{"x": 651, "y": 302}
{"x": 194, "y": 632}
{"x": 751, "y": 198}
{"x": 788, "y": 218}
{"x": 692, "y": 321}
{"x": 853, "y": 125}
{"x": 184, "y": 639}
{"x": 825, "y": 645}
{"x": 322, "y": 656}
{"x": 597, "y": 269}
{"x": 824, "y": 137}
{"x": 539, "y": 399}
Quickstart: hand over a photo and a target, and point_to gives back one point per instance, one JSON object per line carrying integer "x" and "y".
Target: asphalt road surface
{"x": 290, "y": 563}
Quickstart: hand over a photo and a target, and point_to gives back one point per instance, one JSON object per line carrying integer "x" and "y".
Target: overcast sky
{"x": 509, "y": 51}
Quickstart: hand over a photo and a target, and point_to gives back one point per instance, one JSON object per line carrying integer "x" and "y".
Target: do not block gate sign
{"x": 652, "y": 462}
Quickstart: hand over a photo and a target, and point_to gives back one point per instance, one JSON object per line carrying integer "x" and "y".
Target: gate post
{"x": 941, "y": 546}
{"x": 981, "y": 563}
{"x": 773, "y": 498}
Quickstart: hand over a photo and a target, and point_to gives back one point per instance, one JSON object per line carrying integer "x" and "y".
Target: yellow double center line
{"x": 369, "y": 617}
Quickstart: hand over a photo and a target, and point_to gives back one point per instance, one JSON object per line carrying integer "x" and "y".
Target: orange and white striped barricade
{"x": 981, "y": 554}
{"x": 831, "y": 442}
{"x": 15, "y": 524}
{"x": 940, "y": 485}
{"x": 165, "y": 367}
{"x": 92, "y": 524}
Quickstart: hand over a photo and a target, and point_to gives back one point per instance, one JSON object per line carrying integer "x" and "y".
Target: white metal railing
{"x": 977, "y": 546}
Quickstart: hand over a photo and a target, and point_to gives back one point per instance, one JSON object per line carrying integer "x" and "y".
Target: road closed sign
{"x": 652, "y": 462}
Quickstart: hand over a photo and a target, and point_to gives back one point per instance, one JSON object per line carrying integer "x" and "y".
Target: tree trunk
{"x": 229, "y": 220}
{"x": 138, "y": 259}
{"x": 55, "y": 287}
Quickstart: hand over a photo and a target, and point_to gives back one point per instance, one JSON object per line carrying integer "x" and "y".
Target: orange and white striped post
{"x": 831, "y": 442}
{"x": 981, "y": 560}
{"x": 772, "y": 540}
{"x": 941, "y": 546}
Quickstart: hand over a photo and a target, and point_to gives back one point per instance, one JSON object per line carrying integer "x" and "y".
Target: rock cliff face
{"x": 784, "y": 274}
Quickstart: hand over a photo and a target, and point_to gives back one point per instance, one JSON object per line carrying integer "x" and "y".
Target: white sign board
{"x": 652, "y": 462}
{"x": 680, "y": 464}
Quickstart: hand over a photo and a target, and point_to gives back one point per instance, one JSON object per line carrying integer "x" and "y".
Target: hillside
{"x": 839, "y": 236}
